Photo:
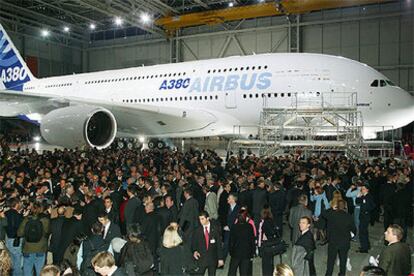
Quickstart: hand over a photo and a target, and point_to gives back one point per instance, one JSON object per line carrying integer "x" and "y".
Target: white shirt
{"x": 208, "y": 228}
{"x": 106, "y": 229}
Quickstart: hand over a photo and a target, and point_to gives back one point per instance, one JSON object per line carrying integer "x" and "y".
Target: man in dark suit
{"x": 234, "y": 209}
{"x": 277, "y": 203}
{"x": 169, "y": 203}
{"x": 164, "y": 214}
{"x": 188, "y": 218}
{"x": 395, "y": 259}
{"x": 94, "y": 206}
{"x": 206, "y": 245}
{"x": 113, "y": 214}
{"x": 339, "y": 226}
{"x": 259, "y": 199}
{"x": 151, "y": 229}
{"x": 241, "y": 246}
{"x": 71, "y": 229}
{"x": 367, "y": 204}
{"x": 110, "y": 229}
{"x": 56, "y": 225}
{"x": 132, "y": 205}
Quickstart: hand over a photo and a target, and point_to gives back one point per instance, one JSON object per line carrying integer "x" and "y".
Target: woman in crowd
{"x": 175, "y": 258}
{"x": 267, "y": 234}
{"x": 136, "y": 256}
{"x": 352, "y": 193}
{"x": 318, "y": 197}
{"x": 283, "y": 270}
{"x": 241, "y": 246}
{"x": 5, "y": 260}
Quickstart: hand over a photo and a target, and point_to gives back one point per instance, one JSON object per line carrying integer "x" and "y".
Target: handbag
{"x": 273, "y": 247}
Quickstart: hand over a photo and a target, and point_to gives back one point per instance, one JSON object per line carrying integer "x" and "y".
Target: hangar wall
{"x": 53, "y": 59}
{"x": 379, "y": 35}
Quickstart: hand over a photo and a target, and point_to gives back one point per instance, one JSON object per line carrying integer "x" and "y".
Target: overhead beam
{"x": 31, "y": 24}
{"x": 159, "y": 2}
{"x": 201, "y": 3}
{"x": 37, "y": 15}
{"x": 211, "y": 17}
{"x": 74, "y": 14}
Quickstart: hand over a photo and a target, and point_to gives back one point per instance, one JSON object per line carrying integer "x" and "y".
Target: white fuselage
{"x": 232, "y": 88}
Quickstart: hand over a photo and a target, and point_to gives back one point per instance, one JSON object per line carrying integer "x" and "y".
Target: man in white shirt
{"x": 111, "y": 230}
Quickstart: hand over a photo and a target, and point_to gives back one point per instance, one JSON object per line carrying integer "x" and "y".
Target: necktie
{"x": 206, "y": 236}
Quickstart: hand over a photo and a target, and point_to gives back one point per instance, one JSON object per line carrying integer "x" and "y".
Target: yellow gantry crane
{"x": 283, "y": 7}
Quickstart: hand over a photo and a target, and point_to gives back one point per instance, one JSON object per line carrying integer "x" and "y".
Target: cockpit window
{"x": 382, "y": 83}
{"x": 374, "y": 83}
{"x": 390, "y": 83}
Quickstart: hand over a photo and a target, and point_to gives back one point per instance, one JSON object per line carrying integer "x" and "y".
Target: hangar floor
{"x": 358, "y": 260}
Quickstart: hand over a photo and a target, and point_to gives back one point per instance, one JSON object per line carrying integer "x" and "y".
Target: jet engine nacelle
{"x": 79, "y": 126}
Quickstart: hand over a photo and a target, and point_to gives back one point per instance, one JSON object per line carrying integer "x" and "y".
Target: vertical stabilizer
{"x": 13, "y": 70}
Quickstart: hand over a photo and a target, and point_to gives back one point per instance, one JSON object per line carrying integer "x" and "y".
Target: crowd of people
{"x": 150, "y": 212}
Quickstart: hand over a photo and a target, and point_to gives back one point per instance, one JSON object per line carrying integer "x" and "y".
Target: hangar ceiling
{"x": 84, "y": 20}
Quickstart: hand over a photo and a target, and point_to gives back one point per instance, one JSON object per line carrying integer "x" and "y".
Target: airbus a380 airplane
{"x": 190, "y": 99}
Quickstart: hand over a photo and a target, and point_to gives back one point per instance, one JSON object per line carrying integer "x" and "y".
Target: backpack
{"x": 33, "y": 231}
{"x": 136, "y": 258}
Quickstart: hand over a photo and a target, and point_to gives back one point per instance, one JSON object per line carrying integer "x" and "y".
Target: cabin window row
{"x": 247, "y": 68}
{"x": 171, "y": 99}
{"x": 268, "y": 95}
{"x": 58, "y": 85}
{"x": 137, "y": 78}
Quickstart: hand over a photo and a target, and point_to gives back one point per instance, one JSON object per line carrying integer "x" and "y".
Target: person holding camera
{"x": 35, "y": 232}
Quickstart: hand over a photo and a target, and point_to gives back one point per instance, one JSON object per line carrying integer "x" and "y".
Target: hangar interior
{"x": 76, "y": 36}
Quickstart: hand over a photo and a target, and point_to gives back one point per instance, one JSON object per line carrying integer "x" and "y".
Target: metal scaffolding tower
{"x": 314, "y": 122}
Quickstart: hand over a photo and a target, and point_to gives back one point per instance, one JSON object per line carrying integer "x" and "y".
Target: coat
{"x": 188, "y": 217}
{"x": 214, "y": 252}
{"x": 174, "y": 260}
{"x": 151, "y": 229}
{"x": 211, "y": 205}
{"x": 300, "y": 266}
{"x": 259, "y": 200}
{"x": 304, "y": 262}
{"x": 113, "y": 232}
{"x": 35, "y": 247}
{"x": 56, "y": 225}
{"x": 339, "y": 225}
{"x": 395, "y": 259}
{"x": 241, "y": 242}
{"x": 131, "y": 210}
{"x": 295, "y": 214}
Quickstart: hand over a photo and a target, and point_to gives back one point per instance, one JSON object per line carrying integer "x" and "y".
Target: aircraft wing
{"x": 131, "y": 118}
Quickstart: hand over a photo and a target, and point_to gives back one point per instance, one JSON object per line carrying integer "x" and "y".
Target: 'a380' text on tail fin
{"x": 13, "y": 70}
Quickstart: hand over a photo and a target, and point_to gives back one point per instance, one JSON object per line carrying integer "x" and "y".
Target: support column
{"x": 294, "y": 34}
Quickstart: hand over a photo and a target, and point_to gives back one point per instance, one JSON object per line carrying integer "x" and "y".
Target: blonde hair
{"x": 5, "y": 260}
{"x": 171, "y": 238}
{"x": 283, "y": 270}
{"x": 50, "y": 270}
{"x": 103, "y": 259}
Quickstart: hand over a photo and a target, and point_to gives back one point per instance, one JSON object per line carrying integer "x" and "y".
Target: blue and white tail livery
{"x": 13, "y": 70}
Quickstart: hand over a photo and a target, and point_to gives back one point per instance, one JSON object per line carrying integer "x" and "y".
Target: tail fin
{"x": 13, "y": 70}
